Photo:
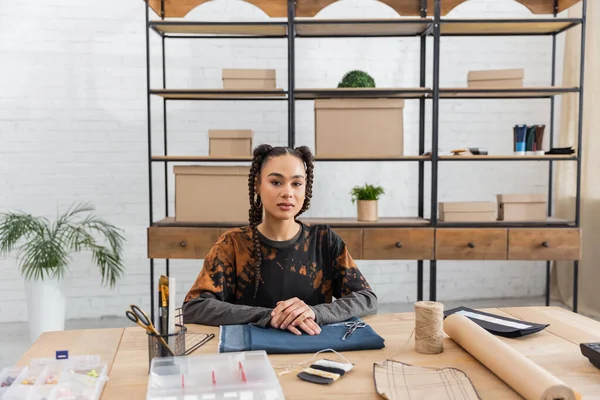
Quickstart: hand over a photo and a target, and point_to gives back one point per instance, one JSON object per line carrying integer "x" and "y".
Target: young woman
{"x": 279, "y": 271}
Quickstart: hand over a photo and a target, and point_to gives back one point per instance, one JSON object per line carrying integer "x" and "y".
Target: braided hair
{"x": 261, "y": 154}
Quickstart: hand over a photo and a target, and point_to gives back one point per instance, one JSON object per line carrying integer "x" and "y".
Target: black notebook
{"x": 496, "y": 324}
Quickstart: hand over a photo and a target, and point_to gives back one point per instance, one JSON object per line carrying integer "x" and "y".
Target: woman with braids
{"x": 279, "y": 272}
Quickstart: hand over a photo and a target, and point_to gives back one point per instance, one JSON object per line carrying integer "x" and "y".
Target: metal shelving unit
{"x": 428, "y": 24}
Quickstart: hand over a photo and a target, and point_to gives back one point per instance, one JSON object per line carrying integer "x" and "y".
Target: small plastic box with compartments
{"x": 243, "y": 375}
{"x": 80, "y": 377}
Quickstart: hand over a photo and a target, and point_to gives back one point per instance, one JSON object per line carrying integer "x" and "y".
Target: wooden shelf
{"x": 249, "y": 158}
{"x": 482, "y": 27}
{"x": 331, "y": 93}
{"x": 365, "y": 93}
{"x": 216, "y": 94}
{"x": 278, "y": 8}
{"x": 491, "y": 93}
{"x": 200, "y": 28}
{"x": 339, "y": 222}
{"x": 507, "y": 157}
{"x": 370, "y": 158}
{"x": 388, "y": 222}
{"x": 382, "y": 222}
{"x": 364, "y": 27}
{"x": 396, "y": 27}
{"x": 202, "y": 158}
{"x": 550, "y": 222}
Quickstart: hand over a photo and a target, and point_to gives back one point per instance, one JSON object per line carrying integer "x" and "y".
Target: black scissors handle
{"x": 140, "y": 315}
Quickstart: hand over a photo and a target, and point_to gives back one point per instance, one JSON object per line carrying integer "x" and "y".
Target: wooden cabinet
{"x": 470, "y": 244}
{"x": 353, "y": 239}
{"x": 544, "y": 244}
{"x": 171, "y": 242}
{"x": 398, "y": 243}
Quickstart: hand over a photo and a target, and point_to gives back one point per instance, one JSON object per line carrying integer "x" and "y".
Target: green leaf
{"x": 357, "y": 79}
{"x": 46, "y": 247}
{"x": 366, "y": 192}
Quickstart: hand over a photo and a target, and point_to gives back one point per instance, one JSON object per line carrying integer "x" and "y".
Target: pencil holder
{"x": 175, "y": 342}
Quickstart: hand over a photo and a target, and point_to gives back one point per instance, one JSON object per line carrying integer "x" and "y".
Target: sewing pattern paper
{"x": 396, "y": 380}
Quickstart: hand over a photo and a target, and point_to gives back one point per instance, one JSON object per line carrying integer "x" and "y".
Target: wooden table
{"x": 555, "y": 349}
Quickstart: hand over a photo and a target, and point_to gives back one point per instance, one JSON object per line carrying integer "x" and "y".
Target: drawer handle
{"x": 545, "y": 244}
{"x": 471, "y": 245}
{"x": 183, "y": 243}
{"x": 399, "y": 245}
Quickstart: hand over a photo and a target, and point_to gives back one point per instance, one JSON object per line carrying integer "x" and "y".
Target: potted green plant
{"x": 367, "y": 199}
{"x": 43, "y": 250}
{"x": 356, "y": 79}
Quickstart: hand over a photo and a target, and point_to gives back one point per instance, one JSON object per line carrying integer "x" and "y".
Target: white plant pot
{"x": 46, "y": 306}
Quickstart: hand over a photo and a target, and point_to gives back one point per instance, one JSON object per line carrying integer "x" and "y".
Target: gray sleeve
{"x": 356, "y": 304}
{"x": 207, "y": 310}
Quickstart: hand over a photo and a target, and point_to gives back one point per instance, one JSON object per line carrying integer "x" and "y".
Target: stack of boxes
{"x": 508, "y": 207}
{"x": 220, "y": 193}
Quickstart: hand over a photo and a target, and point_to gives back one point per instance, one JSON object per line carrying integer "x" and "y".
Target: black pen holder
{"x": 175, "y": 341}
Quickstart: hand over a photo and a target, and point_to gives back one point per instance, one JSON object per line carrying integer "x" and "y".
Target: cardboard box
{"x": 211, "y": 193}
{"x": 230, "y": 142}
{"x": 249, "y": 79}
{"x": 359, "y": 128}
{"x": 522, "y": 207}
{"x": 496, "y": 78}
{"x": 468, "y": 211}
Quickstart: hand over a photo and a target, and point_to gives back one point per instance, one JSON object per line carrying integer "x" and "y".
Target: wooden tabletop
{"x": 556, "y": 349}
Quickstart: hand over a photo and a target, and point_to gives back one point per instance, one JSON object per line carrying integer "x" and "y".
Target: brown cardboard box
{"x": 496, "y": 78}
{"x": 230, "y": 142}
{"x": 467, "y": 211}
{"x": 249, "y": 79}
{"x": 359, "y": 128}
{"x": 211, "y": 193}
{"x": 522, "y": 207}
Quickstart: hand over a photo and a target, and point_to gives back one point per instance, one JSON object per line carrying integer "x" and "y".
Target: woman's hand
{"x": 292, "y": 314}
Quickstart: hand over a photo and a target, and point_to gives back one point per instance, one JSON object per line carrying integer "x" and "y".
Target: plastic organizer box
{"x": 75, "y": 378}
{"x": 242, "y": 376}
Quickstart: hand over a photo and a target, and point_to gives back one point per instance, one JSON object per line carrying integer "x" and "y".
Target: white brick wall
{"x": 73, "y": 128}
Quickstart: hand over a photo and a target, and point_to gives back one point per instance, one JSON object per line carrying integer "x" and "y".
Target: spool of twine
{"x": 429, "y": 319}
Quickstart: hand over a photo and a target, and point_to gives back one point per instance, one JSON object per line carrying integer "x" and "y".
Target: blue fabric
{"x": 277, "y": 341}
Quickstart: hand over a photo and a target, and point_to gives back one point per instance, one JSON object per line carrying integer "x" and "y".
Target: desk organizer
{"x": 79, "y": 377}
{"x": 243, "y": 375}
{"x": 175, "y": 341}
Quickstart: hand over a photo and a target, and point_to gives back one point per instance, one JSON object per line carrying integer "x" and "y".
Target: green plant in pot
{"x": 43, "y": 250}
{"x": 357, "y": 79}
{"x": 367, "y": 199}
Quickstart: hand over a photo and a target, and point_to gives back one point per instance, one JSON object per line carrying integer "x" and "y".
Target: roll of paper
{"x": 520, "y": 373}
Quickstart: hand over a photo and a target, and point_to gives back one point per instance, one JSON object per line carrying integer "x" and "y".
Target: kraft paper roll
{"x": 520, "y": 373}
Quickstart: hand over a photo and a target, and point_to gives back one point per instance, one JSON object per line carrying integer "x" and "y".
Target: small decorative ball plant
{"x": 357, "y": 79}
{"x": 366, "y": 192}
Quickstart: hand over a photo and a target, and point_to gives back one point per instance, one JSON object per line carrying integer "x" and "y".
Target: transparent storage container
{"x": 8, "y": 377}
{"x": 244, "y": 375}
{"x": 80, "y": 377}
{"x": 23, "y": 385}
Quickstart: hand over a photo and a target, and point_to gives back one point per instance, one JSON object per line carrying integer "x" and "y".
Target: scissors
{"x": 352, "y": 326}
{"x": 139, "y": 317}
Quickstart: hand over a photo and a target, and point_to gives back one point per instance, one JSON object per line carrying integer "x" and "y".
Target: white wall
{"x": 73, "y": 128}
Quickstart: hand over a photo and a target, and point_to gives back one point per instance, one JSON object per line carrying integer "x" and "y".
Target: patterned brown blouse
{"x": 314, "y": 266}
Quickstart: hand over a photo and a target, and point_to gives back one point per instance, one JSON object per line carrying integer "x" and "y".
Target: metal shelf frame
{"x": 433, "y": 30}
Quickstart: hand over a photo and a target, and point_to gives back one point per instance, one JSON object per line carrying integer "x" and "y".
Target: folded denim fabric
{"x": 248, "y": 337}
